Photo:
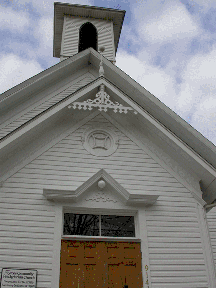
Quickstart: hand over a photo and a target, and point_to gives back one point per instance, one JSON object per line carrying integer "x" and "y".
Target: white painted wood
{"x": 126, "y": 197}
{"x": 211, "y": 224}
{"x": 146, "y": 269}
{"x": 178, "y": 176}
{"x": 198, "y": 197}
{"x": 211, "y": 219}
{"x": 37, "y": 150}
{"x": 57, "y": 246}
{"x": 45, "y": 103}
{"x": 101, "y": 238}
{"x": 169, "y": 230}
{"x": 162, "y": 128}
{"x": 45, "y": 116}
{"x": 113, "y": 41}
{"x": 70, "y": 36}
{"x": 26, "y": 234}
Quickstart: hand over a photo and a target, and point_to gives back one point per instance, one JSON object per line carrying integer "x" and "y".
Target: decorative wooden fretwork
{"x": 100, "y": 197}
{"x": 102, "y": 102}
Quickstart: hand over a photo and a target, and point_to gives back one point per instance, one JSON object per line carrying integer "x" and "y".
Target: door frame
{"x": 140, "y": 232}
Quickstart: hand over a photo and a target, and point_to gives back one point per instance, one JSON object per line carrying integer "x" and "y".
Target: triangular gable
{"x": 170, "y": 126}
{"x": 140, "y": 95}
{"x": 91, "y": 89}
{"x": 75, "y": 195}
{"x": 141, "y": 120}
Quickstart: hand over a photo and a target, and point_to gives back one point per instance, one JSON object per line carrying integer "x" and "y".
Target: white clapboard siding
{"x": 211, "y": 217}
{"x": 174, "y": 240}
{"x": 27, "y": 231}
{"x": 45, "y": 104}
{"x": 70, "y": 36}
{"x": 175, "y": 248}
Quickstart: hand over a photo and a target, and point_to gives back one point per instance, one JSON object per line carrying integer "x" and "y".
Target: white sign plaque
{"x": 22, "y": 278}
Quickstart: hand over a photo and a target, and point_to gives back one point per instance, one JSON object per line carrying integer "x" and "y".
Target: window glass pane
{"x": 117, "y": 226}
{"x": 81, "y": 224}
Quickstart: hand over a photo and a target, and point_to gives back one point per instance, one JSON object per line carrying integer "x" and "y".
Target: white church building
{"x": 101, "y": 184}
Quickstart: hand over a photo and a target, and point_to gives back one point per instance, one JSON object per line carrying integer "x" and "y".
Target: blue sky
{"x": 168, "y": 46}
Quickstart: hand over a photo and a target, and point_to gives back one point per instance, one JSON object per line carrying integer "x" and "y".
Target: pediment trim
{"x": 75, "y": 195}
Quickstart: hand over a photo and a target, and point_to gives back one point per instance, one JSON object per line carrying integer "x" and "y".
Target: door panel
{"x": 92, "y": 277}
{"x": 87, "y": 264}
{"x": 116, "y": 276}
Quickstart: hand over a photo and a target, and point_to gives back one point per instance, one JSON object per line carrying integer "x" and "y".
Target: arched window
{"x": 87, "y": 36}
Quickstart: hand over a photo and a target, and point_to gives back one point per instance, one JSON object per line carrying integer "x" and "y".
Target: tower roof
{"x": 62, "y": 9}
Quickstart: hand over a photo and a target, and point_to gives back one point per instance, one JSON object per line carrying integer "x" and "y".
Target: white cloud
{"x": 14, "y": 70}
{"x": 13, "y": 20}
{"x": 174, "y": 23}
{"x": 204, "y": 119}
{"x": 155, "y": 80}
{"x": 205, "y": 4}
{"x": 44, "y": 7}
{"x": 198, "y": 94}
{"x": 199, "y": 81}
{"x": 44, "y": 34}
{"x": 195, "y": 98}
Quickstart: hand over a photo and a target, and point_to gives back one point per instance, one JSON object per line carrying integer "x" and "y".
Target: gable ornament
{"x": 102, "y": 102}
{"x": 102, "y": 99}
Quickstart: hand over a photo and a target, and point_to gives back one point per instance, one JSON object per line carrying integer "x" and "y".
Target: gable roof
{"x": 128, "y": 86}
{"x": 118, "y": 83}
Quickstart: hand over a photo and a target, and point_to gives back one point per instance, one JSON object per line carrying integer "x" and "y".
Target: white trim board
{"x": 207, "y": 248}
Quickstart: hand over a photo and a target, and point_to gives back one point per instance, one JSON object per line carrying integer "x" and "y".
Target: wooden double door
{"x": 100, "y": 264}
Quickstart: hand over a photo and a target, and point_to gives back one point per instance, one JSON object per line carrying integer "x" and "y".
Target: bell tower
{"x": 78, "y": 27}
